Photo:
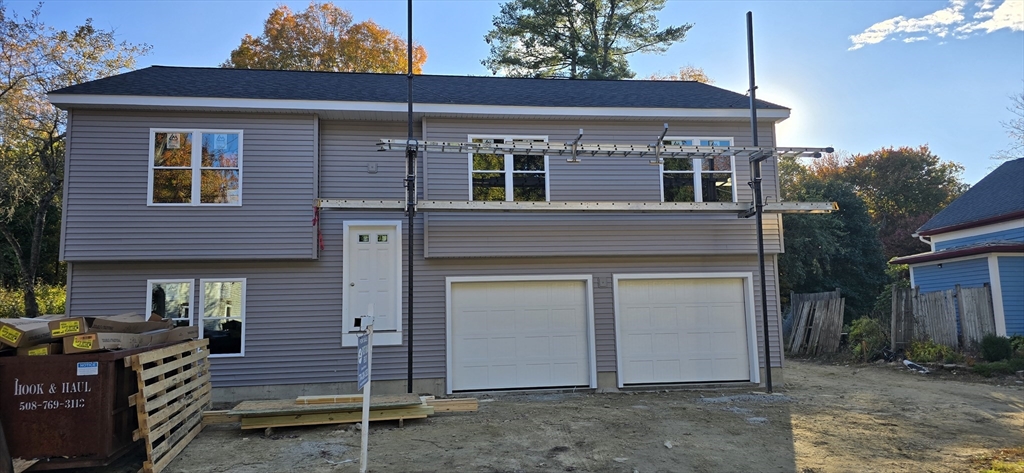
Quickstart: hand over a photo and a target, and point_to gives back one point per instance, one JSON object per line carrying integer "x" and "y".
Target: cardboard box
{"x": 128, "y": 323}
{"x": 180, "y": 334}
{"x": 96, "y": 341}
{"x": 25, "y": 332}
{"x": 54, "y": 348}
{"x": 69, "y": 326}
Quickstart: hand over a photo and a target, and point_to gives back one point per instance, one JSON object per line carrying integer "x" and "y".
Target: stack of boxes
{"x": 54, "y": 334}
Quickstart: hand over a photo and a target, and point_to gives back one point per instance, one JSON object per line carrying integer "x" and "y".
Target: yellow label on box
{"x": 39, "y": 351}
{"x": 71, "y": 326}
{"x": 83, "y": 343}
{"x": 9, "y": 334}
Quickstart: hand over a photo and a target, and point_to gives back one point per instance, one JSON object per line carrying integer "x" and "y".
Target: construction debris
{"x": 818, "y": 323}
{"x": 335, "y": 409}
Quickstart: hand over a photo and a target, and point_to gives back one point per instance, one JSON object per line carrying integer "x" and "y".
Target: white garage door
{"x": 682, "y": 330}
{"x": 518, "y": 334}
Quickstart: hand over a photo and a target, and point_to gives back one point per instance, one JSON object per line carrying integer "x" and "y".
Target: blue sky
{"x": 859, "y": 75}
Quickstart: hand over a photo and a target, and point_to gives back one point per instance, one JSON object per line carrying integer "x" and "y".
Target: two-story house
{"x": 192, "y": 193}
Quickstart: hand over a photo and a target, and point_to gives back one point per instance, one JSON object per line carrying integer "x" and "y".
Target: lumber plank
{"x": 329, "y": 399}
{"x": 170, "y": 417}
{"x": 280, "y": 407}
{"x": 162, "y": 385}
{"x": 322, "y": 418}
{"x": 152, "y": 404}
{"x": 219, "y": 417}
{"x": 171, "y": 440}
{"x": 178, "y": 447}
{"x": 202, "y": 394}
{"x": 454, "y": 405}
{"x": 167, "y": 352}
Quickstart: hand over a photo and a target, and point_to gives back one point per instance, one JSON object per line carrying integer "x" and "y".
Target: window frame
{"x": 196, "y": 166}
{"x": 201, "y": 318}
{"x": 191, "y": 296}
{"x": 509, "y": 165}
{"x": 698, "y": 187}
{"x": 194, "y": 318}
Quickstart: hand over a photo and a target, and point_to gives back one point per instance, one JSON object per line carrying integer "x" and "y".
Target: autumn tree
{"x": 323, "y": 37}
{"x": 686, "y": 73}
{"x": 903, "y": 188}
{"x": 34, "y": 59}
{"x": 576, "y": 39}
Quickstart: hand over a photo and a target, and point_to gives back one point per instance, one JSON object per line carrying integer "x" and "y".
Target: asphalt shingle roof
{"x": 164, "y": 81}
{"x": 999, "y": 193}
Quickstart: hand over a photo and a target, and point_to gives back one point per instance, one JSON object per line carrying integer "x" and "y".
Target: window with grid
{"x": 509, "y": 177}
{"x": 195, "y": 167}
{"x": 220, "y": 313}
{"x": 698, "y": 179}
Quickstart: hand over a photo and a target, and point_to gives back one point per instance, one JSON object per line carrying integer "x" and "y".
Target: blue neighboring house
{"x": 979, "y": 239}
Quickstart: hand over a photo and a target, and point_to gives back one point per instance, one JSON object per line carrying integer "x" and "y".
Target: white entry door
{"x": 372, "y": 275}
{"x": 519, "y": 334}
{"x": 682, "y": 330}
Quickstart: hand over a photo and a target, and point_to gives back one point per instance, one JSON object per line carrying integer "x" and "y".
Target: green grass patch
{"x": 996, "y": 368}
{"x": 50, "y": 300}
{"x": 1007, "y": 460}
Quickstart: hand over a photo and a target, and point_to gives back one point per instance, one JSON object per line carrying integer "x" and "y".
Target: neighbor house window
{"x": 510, "y": 177}
{"x": 699, "y": 179}
{"x": 220, "y": 314}
{"x": 195, "y": 167}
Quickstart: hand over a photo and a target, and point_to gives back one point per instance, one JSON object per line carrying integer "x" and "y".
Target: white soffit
{"x": 306, "y": 106}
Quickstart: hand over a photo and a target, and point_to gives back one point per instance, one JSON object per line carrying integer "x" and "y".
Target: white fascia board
{"x": 71, "y": 100}
{"x": 976, "y": 231}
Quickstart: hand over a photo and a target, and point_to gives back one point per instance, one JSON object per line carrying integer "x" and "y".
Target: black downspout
{"x": 410, "y": 182}
{"x": 755, "y": 166}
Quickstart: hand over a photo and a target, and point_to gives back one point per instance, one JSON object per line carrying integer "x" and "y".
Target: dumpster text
{"x": 38, "y": 389}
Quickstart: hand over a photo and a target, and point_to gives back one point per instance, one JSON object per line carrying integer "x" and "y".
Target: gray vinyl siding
{"x": 476, "y": 234}
{"x": 293, "y": 309}
{"x": 348, "y": 148}
{"x": 107, "y": 217}
{"x": 594, "y": 179}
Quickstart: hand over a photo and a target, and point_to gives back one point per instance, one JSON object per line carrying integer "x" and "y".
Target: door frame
{"x": 588, "y": 283}
{"x": 349, "y": 337}
{"x": 748, "y": 283}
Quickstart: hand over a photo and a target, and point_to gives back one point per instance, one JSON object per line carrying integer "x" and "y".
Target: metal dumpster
{"x": 71, "y": 409}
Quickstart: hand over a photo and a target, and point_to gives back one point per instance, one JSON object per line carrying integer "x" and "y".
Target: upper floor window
{"x": 195, "y": 167}
{"x": 698, "y": 179}
{"x": 511, "y": 177}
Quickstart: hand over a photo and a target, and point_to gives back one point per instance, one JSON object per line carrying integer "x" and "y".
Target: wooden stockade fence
{"x": 955, "y": 318}
{"x": 174, "y": 389}
{"x": 818, "y": 322}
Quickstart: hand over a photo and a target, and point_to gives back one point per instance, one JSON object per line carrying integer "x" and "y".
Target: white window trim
{"x": 191, "y": 296}
{"x": 349, "y": 335}
{"x": 588, "y": 281}
{"x": 196, "y": 166}
{"x": 202, "y": 307}
{"x": 698, "y": 187}
{"x": 508, "y": 172}
{"x": 753, "y": 357}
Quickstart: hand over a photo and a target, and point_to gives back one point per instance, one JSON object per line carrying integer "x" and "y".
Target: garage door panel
{"x": 687, "y": 330}
{"x": 536, "y": 332}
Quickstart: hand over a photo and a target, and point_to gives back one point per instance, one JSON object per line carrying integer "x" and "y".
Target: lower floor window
{"x": 221, "y": 313}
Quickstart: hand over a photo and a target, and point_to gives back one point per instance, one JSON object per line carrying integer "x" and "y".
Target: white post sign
{"x": 365, "y": 360}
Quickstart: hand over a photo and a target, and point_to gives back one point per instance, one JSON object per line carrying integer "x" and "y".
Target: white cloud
{"x": 987, "y": 17}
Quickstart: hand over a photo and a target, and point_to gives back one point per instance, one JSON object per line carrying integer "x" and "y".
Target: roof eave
{"x": 950, "y": 254}
{"x": 67, "y": 101}
{"x": 976, "y": 223}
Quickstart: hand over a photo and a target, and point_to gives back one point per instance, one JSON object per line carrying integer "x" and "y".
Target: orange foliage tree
{"x": 323, "y": 38}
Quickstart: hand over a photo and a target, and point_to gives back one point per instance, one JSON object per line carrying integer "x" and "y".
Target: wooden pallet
{"x": 174, "y": 389}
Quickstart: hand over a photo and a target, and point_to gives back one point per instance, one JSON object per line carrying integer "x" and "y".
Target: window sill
{"x": 379, "y": 339}
{"x": 226, "y": 355}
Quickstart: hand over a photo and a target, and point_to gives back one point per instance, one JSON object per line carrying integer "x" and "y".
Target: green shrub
{"x": 931, "y": 352}
{"x": 866, "y": 329}
{"x": 995, "y": 348}
{"x": 49, "y": 298}
{"x": 1005, "y": 367}
{"x": 1017, "y": 343}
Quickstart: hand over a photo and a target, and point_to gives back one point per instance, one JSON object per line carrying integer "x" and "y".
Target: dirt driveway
{"x": 826, "y": 419}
